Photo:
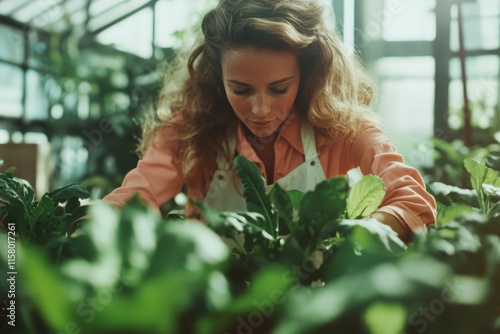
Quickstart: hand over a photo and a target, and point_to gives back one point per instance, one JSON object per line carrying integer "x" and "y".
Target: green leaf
{"x": 480, "y": 175}
{"x": 44, "y": 208}
{"x": 222, "y": 220}
{"x": 284, "y": 209}
{"x": 255, "y": 191}
{"x": 13, "y": 187}
{"x": 51, "y": 294}
{"x": 63, "y": 194}
{"x": 495, "y": 210}
{"x": 296, "y": 197}
{"x": 327, "y": 202}
{"x": 18, "y": 199}
{"x": 372, "y": 235}
{"x": 493, "y": 160}
{"x": 365, "y": 197}
{"x": 385, "y": 318}
{"x": 232, "y": 224}
{"x": 446, "y": 214}
{"x": 194, "y": 244}
{"x": 73, "y": 203}
{"x": 448, "y": 194}
{"x": 491, "y": 190}
{"x": 449, "y": 150}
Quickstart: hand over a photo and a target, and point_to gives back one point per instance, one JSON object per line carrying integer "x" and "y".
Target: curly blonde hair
{"x": 334, "y": 94}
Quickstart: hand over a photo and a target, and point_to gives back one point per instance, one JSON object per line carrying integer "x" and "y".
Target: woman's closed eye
{"x": 280, "y": 91}
{"x": 240, "y": 91}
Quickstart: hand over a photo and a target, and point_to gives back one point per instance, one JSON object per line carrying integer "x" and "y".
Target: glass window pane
{"x": 70, "y": 160}
{"x": 11, "y": 91}
{"x": 407, "y": 20}
{"x": 479, "y": 8}
{"x": 8, "y": 7}
{"x": 99, "y": 7}
{"x": 101, "y": 19}
{"x": 11, "y": 44}
{"x": 406, "y": 91}
{"x": 37, "y": 105}
{"x": 479, "y": 33}
{"x": 39, "y": 44}
{"x": 134, "y": 34}
{"x": 482, "y": 90}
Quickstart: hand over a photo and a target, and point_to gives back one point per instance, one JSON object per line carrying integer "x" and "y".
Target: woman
{"x": 270, "y": 81}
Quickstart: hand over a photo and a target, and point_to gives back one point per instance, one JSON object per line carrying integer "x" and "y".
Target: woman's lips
{"x": 261, "y": 124}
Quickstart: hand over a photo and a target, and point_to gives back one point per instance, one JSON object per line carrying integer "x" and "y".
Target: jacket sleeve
{"x": 155, "y": 178}
{"x": 406, "y": 197}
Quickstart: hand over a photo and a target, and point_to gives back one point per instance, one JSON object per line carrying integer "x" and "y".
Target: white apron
{"x": 226, "y": 190}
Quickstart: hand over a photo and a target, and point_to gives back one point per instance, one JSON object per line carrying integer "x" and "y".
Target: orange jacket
{"x": 157, "y": 180}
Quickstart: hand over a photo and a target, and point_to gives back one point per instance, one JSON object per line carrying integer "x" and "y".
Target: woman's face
{"x": 261, "y": 86}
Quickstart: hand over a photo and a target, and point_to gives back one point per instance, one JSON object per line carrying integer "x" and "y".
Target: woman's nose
{"x": 260, "y": 106}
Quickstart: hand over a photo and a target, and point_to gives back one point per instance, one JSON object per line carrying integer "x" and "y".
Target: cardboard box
{"x": 32, "y": 162}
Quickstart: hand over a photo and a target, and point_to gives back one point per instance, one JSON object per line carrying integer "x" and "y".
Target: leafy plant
{"x": 291, "y": 228}
{"x": 486, "y": 183}
{"x": 141, "y": 275}
{"x": 49, "y": 222}
{"x": 134, "y": 272}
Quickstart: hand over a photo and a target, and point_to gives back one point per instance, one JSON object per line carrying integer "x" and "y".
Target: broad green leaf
{"x": 495, "y": 210}
{"x": 385, "y": 318}
{"x": 449, "y": 150}
{"x": 266, "y": 294}
{"x": 493, "y": 160}
{"x": 17, "y": 198}
{"x": 284, "y": 209}
{"x": 44, "y": 208}
{"x": 51, "y": 294}
{"x": 72, "y": 204}
{"x": 63, "y": 194}
{"x": 193, "y": 246}
{"x": 372, "y": 234}
{"x": 491, "y": 190}
{"x": 255, "y": 191}
{"x": 136, "y": 238}
{"x": 480, "y": 175}
{"x": 412, "y": 279}
{"x": 296, "y": 197}
{"x": 221, "y": 221}
{"x": 446, "y": 214}
{"x": 146, "y": 309}
{"x": 13, "y": 187}
{"x": 448, "y": 194}
{"x": 262, "y": 289}
{"x": 327, "y": 202}
{"x": 365, "y": 197}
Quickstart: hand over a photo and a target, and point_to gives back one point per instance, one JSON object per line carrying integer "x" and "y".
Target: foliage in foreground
{"x": 296, "y": 263}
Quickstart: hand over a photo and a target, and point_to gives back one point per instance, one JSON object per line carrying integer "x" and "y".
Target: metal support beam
{"x": 123, "y": 17}
{"x": 442, "y": 57}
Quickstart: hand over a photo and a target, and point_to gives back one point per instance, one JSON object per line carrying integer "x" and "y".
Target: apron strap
{"x": 308, "y": 139}
{"x": 229, "y": 146}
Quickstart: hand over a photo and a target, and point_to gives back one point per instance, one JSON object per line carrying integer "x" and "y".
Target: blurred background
{"x": 75, "y": 76}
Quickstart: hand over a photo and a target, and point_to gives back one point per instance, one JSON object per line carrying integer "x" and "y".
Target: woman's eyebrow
{"x": 272, "y": 83}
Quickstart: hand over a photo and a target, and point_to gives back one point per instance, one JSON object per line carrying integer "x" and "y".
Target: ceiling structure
{"x": 135, "y": 26}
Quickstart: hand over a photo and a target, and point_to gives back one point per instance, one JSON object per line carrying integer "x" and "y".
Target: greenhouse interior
{"x": 78, "y": 79}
